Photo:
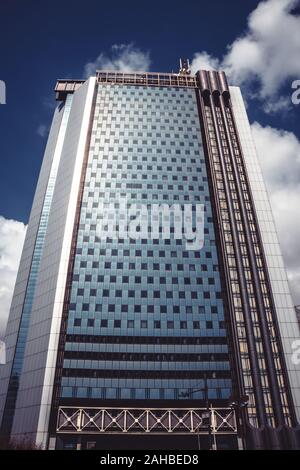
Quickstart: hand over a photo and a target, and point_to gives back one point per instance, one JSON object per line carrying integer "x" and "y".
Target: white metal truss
{"x": 146, "y": 420}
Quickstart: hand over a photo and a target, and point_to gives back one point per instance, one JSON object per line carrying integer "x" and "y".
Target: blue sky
{"x": 256, "y": 42}
{"x": 43, "y": 41}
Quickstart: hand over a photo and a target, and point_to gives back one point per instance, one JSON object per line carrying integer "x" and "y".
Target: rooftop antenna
{"x": 184, "y": 67}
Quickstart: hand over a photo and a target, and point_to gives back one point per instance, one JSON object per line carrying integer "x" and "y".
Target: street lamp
{"x": 239, "y": 404}
{"x": 208, "y": 412}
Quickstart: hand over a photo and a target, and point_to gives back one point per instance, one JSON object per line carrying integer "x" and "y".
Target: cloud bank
{"x": 279, "y": 156}
{"x": 12, "y": 234}
{"x": 265, "y": 57}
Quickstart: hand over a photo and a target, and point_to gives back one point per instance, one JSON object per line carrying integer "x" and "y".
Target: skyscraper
{"x": 127, "y": 328}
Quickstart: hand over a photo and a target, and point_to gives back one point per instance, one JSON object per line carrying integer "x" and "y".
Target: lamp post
{"x": 239, "y": 404}
{"x": 208, "y": 411}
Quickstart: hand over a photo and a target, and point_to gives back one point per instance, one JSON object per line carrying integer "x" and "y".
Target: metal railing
{"x": 147, "y": 79}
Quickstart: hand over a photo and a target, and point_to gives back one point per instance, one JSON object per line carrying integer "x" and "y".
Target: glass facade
{"x": 146, "y": 316}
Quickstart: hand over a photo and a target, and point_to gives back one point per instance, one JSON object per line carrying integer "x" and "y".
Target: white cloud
{"x": 42, "y": 130}
{"x": 280, "y": 104}
{"x": 12, "y": 234}
{"x": 123, "y": 57}
{"x": 279, "y": 156}
{"x": 266, "y": 56}
{"x": 202, "y": 60}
